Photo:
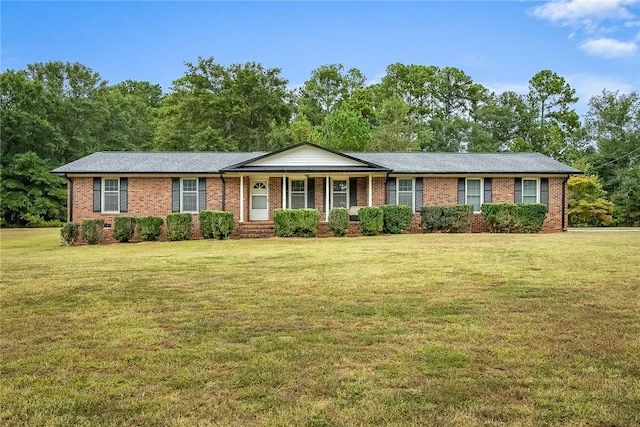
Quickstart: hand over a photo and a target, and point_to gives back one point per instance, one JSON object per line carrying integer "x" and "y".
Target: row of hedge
{"x": 390, "y": 219}
{"x": 213, "y": 225}
{"x": 394, "y": 219}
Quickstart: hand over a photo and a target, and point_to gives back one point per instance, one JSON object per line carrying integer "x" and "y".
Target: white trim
{"x": 327, "y": 203}
{"x": 466, "y": 192}
{"x": 241, "y": 198}
{"x": 413, "y": 191}
{"x": 537, "y": 180}
{"x": 103, "y": 193}
{"x": 182, "y": 192}
{"x": 285, "y": 183}
{"x": 370, "y": 195}
{"x": 346, "y": 192}
{"x": 290, "y": 192}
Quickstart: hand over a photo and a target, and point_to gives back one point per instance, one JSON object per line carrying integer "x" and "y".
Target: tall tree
{"x": 328, "y": 87}
{"x": 613, "y": 126}
{"x": 554, "y": 120}
{"x": 213, "y": 107}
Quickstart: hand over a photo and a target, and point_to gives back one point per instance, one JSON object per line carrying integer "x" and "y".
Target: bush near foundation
{"x": 371, "y": 221}
{"x": 178, "y": 226}
{"x": 514, "y": 217}
{"x": 123, "y": 229}
{"x": 216, "y": 224}
{"x": 339, "y": 221}
{"x": 396, "y": 218}
{"x": 90, "y": 230}
{"x": 447, "y": 219}
{"x": 296, "y": 222}
{"x": 69, "y": 233}
{"x": 149, "y": 227}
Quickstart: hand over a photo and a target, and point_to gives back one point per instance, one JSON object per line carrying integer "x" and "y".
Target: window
{"x": 405, "y": 192}
{"x": 297, "y": 194}
{"x": 529, "y": 191}
{"x": 111, "y": 195}
{"x": 339, "y": 194}
{"x": 189, "y": 196}
{"x": 474, "y": 194}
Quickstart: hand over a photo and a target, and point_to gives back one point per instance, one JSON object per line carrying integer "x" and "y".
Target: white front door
{"x": 259, "y": 200}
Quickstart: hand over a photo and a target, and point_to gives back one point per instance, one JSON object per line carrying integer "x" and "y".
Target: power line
{"x": 615, "y": 160}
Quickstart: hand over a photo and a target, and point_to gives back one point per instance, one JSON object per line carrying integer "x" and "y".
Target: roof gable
{"x": 305, "y": 156}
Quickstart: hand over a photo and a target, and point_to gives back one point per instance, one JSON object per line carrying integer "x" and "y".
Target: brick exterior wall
{"x": 152, "y": 196}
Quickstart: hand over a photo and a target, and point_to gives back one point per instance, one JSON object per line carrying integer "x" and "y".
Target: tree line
{"x": 53, "y": 113}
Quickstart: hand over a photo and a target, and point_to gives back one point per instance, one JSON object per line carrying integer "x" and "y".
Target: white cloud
{"x": 583, "y": 11}
{"x": 609, "y": 48}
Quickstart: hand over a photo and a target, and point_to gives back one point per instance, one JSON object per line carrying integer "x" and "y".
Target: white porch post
{"x": 370, "y": 191}
{"x": 326, "y": 200}
{"x": 241, "y": 198}
{"x": 284, "y": 191}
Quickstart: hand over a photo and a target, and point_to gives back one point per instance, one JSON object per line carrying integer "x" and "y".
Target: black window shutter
{"x": 124, "y": 195}
{"x": 391, "y": 191}
{"x": 461, "y": 192}
{"x": 487, "y": 190}
{"x": 544, "y": 191}
{"x": 324, "y": 192}
{"x": 97, "y": 197}
{"x": 202, "y": 194}
{"x": 175, "y": 194}
{"x": 285, "y": 182}
{"x": 311, "y": 193}
{"x": 418, "y": 196}
{"x": 517, "y": 190}
{"x": 353, "y": 192}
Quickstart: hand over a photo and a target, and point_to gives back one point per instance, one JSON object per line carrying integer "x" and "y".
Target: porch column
{"x": 284, "y": 191}
{"x": 241, "y": 198}
{"x": 327, "y": 202}
{"x": 370, "y": 191}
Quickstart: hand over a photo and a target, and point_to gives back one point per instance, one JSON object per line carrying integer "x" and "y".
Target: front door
{"x": 259, "y": 200}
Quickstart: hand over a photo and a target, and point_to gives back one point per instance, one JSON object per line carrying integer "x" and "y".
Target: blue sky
{"x": 593, "y": 44}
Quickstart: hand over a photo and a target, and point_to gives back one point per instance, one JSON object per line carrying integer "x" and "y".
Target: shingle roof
{"x": 421, "y": 162}
{"x": 424, "y": 162}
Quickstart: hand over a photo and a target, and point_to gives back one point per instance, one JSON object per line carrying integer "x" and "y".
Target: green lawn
{"x": 460, "y": 330}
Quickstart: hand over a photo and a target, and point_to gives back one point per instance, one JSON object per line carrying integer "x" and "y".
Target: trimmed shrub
{"x": 90, "y": 230}
{"x": 339, "y": 221}
{"x": 371, "y": 220}
{"x": 396, "y": 218}
{"x": 216, "y": 224}
{"x": 124, "y": 227}
{"x": 149, "y": 227}
{"x": 514, "y": 217}
{"x": 296, "y": 222}
{"x": 448, "y": 219}
{"x": 69, "y": 233}
{"x": 178, "y": 226}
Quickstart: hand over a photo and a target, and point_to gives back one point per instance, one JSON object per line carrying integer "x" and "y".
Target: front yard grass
{"x": 461, "y": 330}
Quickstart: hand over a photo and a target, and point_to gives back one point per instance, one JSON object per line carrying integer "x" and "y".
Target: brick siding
{"x": 152, "y": 196}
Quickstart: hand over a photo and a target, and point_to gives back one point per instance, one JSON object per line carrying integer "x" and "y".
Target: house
{"x": 252, "y": 185}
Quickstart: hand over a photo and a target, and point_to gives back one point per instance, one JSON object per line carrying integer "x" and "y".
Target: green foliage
{"x": 339, "y": 221}
{"x": 69, "y": 233}
{"x": 149, "y": 227}
{"x": 123, "y": 228}
{"x": 90, "y": 230}
{"x": 178, "y": 226}
{"x": 371, "y": 220}
{"x": 448, "y": 219}
{"x": 296, "y": 222}
{"x": 396, "y": 218}
{"x": 587, "y": 204}
{"x": 514, "y": 217}
{"x": 223, "y": 108}
{"x": 216, "y": 224}
{"x": 29, "y": 194}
